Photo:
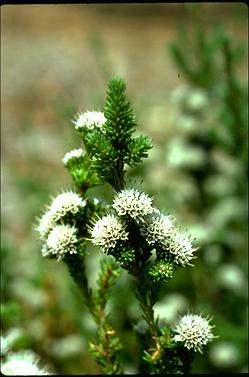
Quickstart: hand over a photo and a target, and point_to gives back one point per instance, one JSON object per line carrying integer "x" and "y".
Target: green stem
{"x": 118, "y": 182}
{"x": 146, "y": 303}
{"x": 148, "y": 341}
{"x": 108, "y": 343}
{"x": 105, "y": 351}
{"x": 77, "y": 270}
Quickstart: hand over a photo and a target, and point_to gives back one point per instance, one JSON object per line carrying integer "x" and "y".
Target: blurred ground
{"x": 57, "y": 60}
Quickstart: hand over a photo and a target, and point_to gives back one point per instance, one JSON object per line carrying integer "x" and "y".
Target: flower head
{"x": 194, "y": 331}
{"x": 107, "y": 232}
{"x": 157, "y": 228}
{"x": 22, "y": 364}
{"x": 182, "y": 249}
{"x": 90, "y": 120}
{"x": 133, "y": 203}
{"x": 75, "y": 154}
{"x": 45, "y": 224}
{"x": 66, "y": 203}
{"x": 61, "y": 240}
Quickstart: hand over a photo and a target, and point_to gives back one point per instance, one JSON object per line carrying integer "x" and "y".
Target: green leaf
{"x": 137, "y": 150}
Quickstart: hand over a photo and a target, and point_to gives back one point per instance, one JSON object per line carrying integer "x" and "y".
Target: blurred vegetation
{"x": 212, "y": 110}
{"x": 195, "y": 111}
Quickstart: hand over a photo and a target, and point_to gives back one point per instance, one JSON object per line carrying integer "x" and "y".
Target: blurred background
{"x": 186, "y": 71}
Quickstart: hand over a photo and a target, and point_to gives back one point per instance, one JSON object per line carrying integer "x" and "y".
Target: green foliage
{"x": 166, "y": 358}
{"x": 228, "y": 123}
{"x": 205, "y": 186}
{"x": 137, "y": 149}
{"x": 220, "y": 132}
{"x": 111, "y": 147}
{"x": 202, "y": 72}
{"x": 108, "y": 146}
{"x": 76, "y": 267}
{"x": 106, "y": 349}
{"x": 209, "y": 62}
{"x": 102, "y": 155}
{"x": 121, "y": 121}
{"x": 82, "y": 173}
{"x": 129, "y": 234}
{"x": 109, "y": 271}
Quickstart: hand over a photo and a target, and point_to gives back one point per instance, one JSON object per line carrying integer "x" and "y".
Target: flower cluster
{"x": 73, "y": 155}
{"x": 107, "y": 232}
{"x": 132, "y": 203}
{"x": 66, "y": 204}
{"x": 22, "y": 364}
{"x": 182, "y": 249}
{"x": 45, "y": 225}
{"x": 62, "y": 239}
{"x": 137, "y": 235}
{"x": 89, "y": 120}
{"x": 56, "y": 227}
{"x": 158, "y": 228}
{"x": 132, "y": 208}
{"x": 194, "y": 331}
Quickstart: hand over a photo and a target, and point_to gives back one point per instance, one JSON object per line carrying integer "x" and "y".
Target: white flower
{"x": 90, "y": 120}
{"x": 107, "y": 232}
{"x": 133, "y": 203}
{"x": 182, "y": 249}
{"x": 66, "y": 203}
{"x": 194, "y": 331}
{"x": 22, "y": 364}
{"x": 45, "y": 224}
{"x": 61, "y": 240}
{"x": 12, "y": 337}
{"x": 74, "y": 154}
{"x": 157, "y": 228}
